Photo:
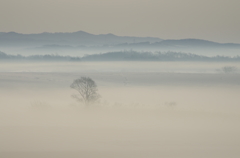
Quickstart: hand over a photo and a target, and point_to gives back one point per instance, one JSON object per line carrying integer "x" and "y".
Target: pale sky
{"x": 216, "y": 20}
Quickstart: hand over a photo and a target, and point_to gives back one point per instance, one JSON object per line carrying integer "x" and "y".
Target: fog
{"x": 88, "y": 50}
{"x": 146, "y": 109}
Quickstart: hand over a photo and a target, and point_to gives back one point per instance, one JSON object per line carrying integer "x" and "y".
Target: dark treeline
{"x": 123, "y": 56}
{"x": 48, "y": 57}
{"x": 157, "y": 56}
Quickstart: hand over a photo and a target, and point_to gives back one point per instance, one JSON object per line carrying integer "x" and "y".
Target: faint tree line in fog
{"x": 123, "y": 56}
{"x": 156, "y": 56}
{"x": 47, "y": 57}
{"x": 228, "y": 69}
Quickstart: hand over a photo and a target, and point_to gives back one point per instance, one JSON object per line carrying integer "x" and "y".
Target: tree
{"x": 87, "y": 90}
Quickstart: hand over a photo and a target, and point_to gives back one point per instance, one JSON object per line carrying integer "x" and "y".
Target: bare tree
{"x": 87, "y": 90}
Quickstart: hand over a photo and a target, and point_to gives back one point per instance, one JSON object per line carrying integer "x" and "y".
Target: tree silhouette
{"x": 87, "y": 90}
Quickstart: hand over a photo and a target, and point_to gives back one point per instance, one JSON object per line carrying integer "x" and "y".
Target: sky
{"x": 215, "y": 20}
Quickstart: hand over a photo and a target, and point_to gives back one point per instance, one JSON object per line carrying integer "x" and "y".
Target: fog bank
{"x": 146, "y": 110}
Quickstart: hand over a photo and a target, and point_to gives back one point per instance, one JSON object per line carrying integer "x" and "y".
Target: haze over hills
{"x": 121, "y": 56}
{"x": 81, "y": 43}
{"x": 73, "y": 39}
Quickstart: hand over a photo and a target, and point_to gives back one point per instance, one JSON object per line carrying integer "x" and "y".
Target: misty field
{"x": 147, "y": 109}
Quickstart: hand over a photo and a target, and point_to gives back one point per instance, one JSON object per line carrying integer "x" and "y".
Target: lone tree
{"x": 87, "y": 90}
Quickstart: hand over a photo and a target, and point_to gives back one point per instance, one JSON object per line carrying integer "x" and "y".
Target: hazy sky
{"x": 216, "y": 20}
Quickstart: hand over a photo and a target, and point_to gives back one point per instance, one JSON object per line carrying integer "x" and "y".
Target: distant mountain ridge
{"x": 84, "y": 38}
{"x": 74, "y": 38}
{"x": 195, "y": 42}
{"x": 81, "y": 43}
